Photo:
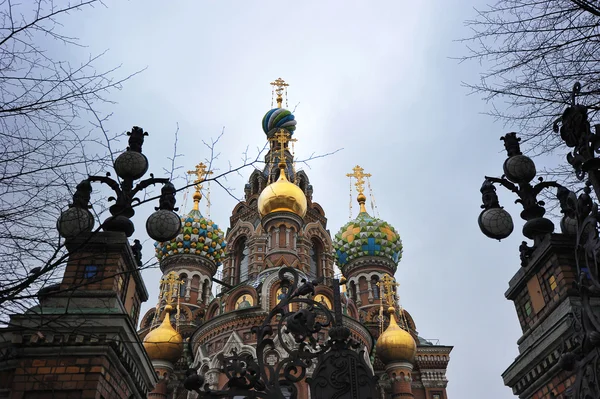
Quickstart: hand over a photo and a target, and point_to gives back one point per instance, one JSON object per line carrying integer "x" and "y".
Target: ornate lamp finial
{"x": 359, "y": 175}
{"x": 201, "y": 173}
{"x": 279, "y": 86}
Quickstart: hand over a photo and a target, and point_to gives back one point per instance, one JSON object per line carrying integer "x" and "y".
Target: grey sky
{"x": 373, "y": 78}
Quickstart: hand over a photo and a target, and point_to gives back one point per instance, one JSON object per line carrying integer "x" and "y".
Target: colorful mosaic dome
{"x": 366, "y": 236}
{"x": 278, "y": 118}
{"x": 199, "y": 236}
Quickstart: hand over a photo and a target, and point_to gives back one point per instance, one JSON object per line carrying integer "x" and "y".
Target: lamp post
{"x": 519, "y": 170}
{"x": 580, "y": 219}
{"x": 131, "y": 165}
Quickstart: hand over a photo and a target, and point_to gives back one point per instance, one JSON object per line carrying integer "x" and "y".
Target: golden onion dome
{"x": 164, "y": 342}
{"x": 282, "y": 196}
{"x": 396, "y": 344}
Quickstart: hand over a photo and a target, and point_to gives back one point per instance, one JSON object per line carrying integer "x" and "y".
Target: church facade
{"x": 215, "y": 287}
{"x": 278, "y": 224}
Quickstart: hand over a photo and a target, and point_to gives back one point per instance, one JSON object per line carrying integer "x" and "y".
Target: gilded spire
{"x": 359, "y": 175}
{"x": 279, "y": 87}
{"x": 201, "y": 173}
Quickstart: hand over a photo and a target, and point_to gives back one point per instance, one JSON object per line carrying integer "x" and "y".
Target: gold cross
{"x": 359, "y": 175}
{"x": 201, "y": 174}
{"x": 170, "y": 286}
{"x": 283, "y": 138}
{"x": 389, "y": 289}
{"x": 280, "y": 85}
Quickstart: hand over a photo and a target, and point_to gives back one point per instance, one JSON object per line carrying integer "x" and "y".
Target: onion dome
{"x": 366, "y": 236}
{"x": 395, "y": 344}
{"x": 164, "y": 342}
{"x": 278, "y": 118}
{"x": 199, "y": 236}
{"x": 282, "y": 196}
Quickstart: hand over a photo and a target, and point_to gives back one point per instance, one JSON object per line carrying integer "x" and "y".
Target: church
{"x": 216, "y": 286}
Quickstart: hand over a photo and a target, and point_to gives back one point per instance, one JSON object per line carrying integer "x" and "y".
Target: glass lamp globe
{"x": 74, "y": 221}
{"x": 163, "y": 225}
{"x": 496, "y": 223}
{"x": 519, "y": 169}
{"x": 131, "y": 165}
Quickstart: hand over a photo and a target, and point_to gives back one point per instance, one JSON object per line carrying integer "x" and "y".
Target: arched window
{"x": 353, "y": 291}
{"x": 242, "y": 251}
{"x": 375, "y": 287}
{"x": 183, "y": 286}
{"x": 255, "y": 185}
{"x": 315, "y": 258}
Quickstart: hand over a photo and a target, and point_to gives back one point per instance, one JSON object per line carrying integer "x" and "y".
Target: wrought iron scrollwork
{"x": 574, "y": 129}
{"x": 346, "y": 372}
{"x": 584, "y": 357}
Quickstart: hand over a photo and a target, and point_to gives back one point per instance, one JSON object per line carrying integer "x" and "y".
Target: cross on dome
{"x": 201, "y": 173}
{"x": 389, "y": 285}
{"x": 169, "y": 287}
{"x": 279, "y": 85}
{"x": 359, "y": 175}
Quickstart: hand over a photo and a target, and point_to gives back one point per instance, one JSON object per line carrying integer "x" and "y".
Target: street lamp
{"x": 519, "y": 171}
{"x": 581, "y": 218}
{"x": 162, "y": 225}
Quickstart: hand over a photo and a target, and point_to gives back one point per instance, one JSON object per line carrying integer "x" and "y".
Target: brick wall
{"x": 68, "y": 377}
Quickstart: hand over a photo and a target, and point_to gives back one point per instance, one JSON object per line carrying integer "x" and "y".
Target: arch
{"x": 257, "y": 182}
{"x": 183, "y": 287}
{"x": 198, "y": 316}
{"x": 270, "y": 286}
{"x": 234, "y": 296}
{"x": 409, "y": 320}
{"x": 352, "y": 310}
{"x": 302, "y": 181}
{"x": 375, "y": 287}
{"x": 352, "y": 289}
{"x": 212, "y": 310}
{"x": 318, "y": 208}
{"x": 315, "y": 258}
{"x": 241, "y": 258}
{"x": 147, "y": 319}
{"x": 238, "y": 208}
{"x": 233, "y": 343}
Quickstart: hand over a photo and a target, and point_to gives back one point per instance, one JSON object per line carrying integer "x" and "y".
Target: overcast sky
{"x": 372, "y": 78}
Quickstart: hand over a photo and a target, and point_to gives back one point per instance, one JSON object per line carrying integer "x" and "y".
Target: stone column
{"x": 188, "y": 288}
{"x": 212, "y": 378}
